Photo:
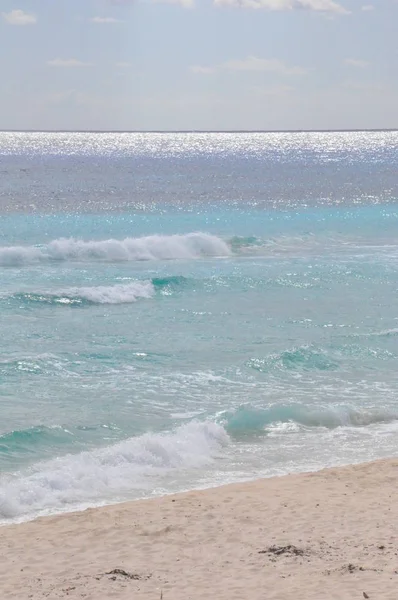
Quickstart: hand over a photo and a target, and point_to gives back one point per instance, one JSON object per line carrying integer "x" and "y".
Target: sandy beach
{"x": 331, "y": 534}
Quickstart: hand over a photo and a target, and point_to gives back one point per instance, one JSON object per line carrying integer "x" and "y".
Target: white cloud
{"x": 184, "y": 3}
{"x": 19, "y": 17}
{"x": 367, "y": 7}
{"x": 104, "y": 20}
{"x": 315, "y": 5}
{"x": 253, "y": 64}
{"x": 69, "y": 63}
{"x": 355, "y": 62}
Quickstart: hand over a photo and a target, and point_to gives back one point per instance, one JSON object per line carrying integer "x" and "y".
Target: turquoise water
{"x": 150, "y": 347}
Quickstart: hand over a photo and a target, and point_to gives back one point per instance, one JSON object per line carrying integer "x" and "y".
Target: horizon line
{"x": 356, "y": 130}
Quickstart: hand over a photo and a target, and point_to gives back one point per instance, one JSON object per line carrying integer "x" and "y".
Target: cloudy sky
{"x": 198, "y": 64}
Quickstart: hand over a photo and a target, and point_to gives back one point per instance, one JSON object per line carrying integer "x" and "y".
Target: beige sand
{"x": 334, "y": 533}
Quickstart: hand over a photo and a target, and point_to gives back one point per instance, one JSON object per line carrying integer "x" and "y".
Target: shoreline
{"x": 319, "y": 535}
{"x": 88, "y": 506}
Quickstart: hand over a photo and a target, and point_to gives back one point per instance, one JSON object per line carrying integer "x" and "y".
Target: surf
{"x": 248, "y": 419}
{"x": 70, "y": 481}
{"x": 85, "y": 296}
{"x": 149, "y": 248}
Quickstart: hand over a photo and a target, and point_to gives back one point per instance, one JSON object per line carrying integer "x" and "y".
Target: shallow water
{"x": 184, "y": 310}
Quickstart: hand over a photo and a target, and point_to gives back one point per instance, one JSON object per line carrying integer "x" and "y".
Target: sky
{"x": 198, "y": 64}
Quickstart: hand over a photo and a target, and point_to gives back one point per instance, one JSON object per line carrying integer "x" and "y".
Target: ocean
{"x": 184, "y": 310}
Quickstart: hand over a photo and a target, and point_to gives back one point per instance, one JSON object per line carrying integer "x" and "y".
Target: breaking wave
{"x": 117, "y": 294}
{"x": 113, "y": 294}
{"x": 154, "y": 247}
{"x": 247, "y": 418}
{"x": 32, "y": 440}
{"x": 187, "y": 246}
{"x": 117, "y": 471}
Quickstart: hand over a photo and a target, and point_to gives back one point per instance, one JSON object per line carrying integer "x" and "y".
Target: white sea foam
{"x": 112, "y": 294}
{"x": 122, "y": 470}
{"x": 154, "y": 247}
{"x": 116, "y": 294}
{"x": 20, "y": 255}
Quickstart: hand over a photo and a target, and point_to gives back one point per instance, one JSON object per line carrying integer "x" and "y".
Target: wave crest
{"x": 246, "y": 418}
{"x": 118, "y": 470}
{"x": 117, "y": 294}
{"x": 299, "y": 358}
{"x": 113, "y": 294}
{"x": 154, "y": 247}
